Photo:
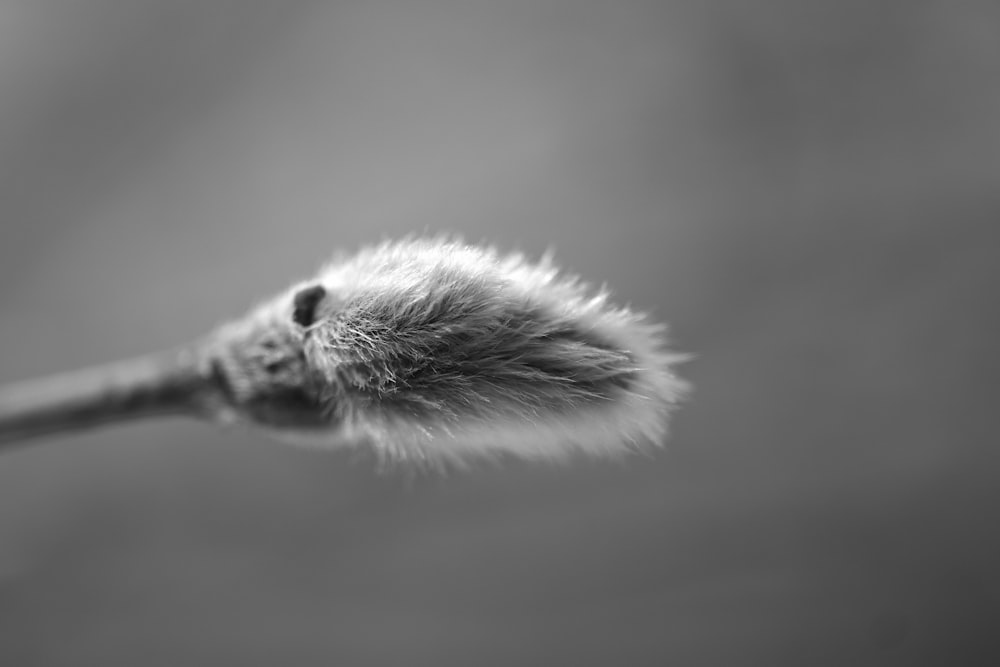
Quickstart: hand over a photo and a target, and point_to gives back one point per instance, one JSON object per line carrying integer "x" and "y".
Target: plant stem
{"x": 170, "y": 383}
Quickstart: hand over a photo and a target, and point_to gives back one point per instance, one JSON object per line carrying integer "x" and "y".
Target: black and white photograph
{"x": 499, "y": 333}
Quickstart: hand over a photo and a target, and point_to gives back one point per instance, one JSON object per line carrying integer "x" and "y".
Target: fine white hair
{"x": 440, "y": 352}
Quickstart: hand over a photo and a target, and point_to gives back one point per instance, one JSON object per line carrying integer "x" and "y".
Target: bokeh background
{"x": 807, "y": 191}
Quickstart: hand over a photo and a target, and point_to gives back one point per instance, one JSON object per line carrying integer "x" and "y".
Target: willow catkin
{"x": 429, "y": 350}
{"x": 437, "y": 351}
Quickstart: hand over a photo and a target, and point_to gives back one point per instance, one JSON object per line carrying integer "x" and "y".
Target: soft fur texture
{"x": 437, "y": 351}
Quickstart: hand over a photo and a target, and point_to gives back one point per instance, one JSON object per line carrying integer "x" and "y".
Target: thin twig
{"x": 161, "y": 384}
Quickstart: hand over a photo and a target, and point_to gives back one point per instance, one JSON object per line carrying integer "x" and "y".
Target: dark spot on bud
{"x": 305, "y": 303}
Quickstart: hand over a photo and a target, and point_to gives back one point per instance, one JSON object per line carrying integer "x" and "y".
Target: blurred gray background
{"x": 806, "y": 191}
